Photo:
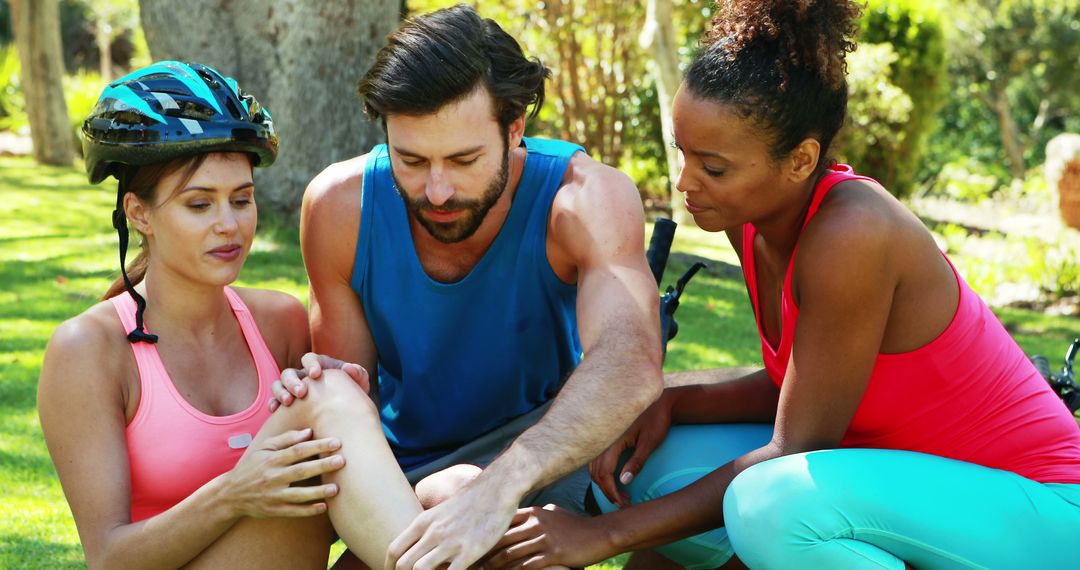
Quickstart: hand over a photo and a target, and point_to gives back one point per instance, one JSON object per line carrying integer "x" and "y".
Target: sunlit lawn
{"x": 58, "y": 254}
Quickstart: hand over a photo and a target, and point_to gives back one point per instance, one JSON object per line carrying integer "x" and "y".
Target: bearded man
{"x": 494, "y": 285}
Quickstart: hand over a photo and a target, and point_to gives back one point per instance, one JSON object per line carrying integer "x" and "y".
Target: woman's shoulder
{"x": 282, "y": 321}
{"x": 270, "y": 305}
{"x": 92, "y": 344}
{"x": 858, "y": 209}
{"x": 96, "y": 328}
{"x": 858, "y": 228}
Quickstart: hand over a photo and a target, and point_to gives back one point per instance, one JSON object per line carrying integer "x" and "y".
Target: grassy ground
{"x": 58, "y": 254}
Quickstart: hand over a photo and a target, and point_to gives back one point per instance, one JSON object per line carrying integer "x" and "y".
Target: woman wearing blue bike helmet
{"x": 153, "y": 401}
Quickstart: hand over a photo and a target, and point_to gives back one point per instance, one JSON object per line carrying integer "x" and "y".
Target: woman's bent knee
{"x": 441, "y": 485}
{"x": 335, "y": 393}
{"x": 765, "y": 505}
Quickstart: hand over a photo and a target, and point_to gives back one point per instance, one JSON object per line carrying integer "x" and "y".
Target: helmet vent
{"x": 233, "y": 109}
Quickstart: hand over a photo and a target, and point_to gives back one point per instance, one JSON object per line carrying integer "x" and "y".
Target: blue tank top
{"x": 457, "y": 360}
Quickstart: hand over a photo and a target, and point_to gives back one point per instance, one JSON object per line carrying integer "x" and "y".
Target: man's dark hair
{"x": 442, "y": 57}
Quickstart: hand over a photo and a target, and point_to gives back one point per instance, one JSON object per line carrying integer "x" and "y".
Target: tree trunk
{"x": 37, "y": 39}
{"x": 103, "y": 38}
{"x": 300, "y": 58}
{"x": 658, "y": 36}
{"x": 1010, "y": 134}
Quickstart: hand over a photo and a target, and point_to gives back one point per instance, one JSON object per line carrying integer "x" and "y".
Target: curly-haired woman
{"x": 895, "y": 423}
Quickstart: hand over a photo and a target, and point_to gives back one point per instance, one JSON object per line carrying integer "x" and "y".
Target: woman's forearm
{"x": 171, "y": 538}
{"x": 686, "y": 512}
{"x": 691, "y": 510}
{"x": 722, "y": 396}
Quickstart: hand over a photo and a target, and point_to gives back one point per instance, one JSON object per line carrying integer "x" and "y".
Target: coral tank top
{"x": 173, "y": 448}
{"x": 970, "y": 394}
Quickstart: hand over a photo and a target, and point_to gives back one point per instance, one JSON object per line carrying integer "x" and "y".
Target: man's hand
{"x": 457, "y": 532}
{"x": 643, "y": 436}
{"x": 291, "y": 384}
{"x": 550, "y": 537}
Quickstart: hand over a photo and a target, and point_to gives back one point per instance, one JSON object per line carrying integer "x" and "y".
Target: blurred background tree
{"x": 897, "y": 84}
{"x": 948, "y": 100}
{"x": 1018, "y": 60}
{"x": 301, "y": 58}
{"x": 37, "y": 39}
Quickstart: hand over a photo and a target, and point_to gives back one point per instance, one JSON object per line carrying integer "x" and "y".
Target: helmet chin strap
{"x": 119, "y": 220}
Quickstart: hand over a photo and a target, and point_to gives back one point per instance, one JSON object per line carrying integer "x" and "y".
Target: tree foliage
{"x": 1018, "y": 59}
{"x": 602, "y": 94}
{"x": 879, "y": 113}
{"x": 895, "y": 96}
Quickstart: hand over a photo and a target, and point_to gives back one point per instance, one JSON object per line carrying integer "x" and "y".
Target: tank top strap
{"x": 146, "y": 354}
{"x": 265, "y": 363}
{"x": 836, "y": 174}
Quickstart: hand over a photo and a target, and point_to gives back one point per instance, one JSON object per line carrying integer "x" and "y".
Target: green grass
{"x": 58, "y": 254}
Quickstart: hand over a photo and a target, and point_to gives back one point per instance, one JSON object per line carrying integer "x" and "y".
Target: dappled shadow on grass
{"x": 284, "y": 263}
{"x": 18, "y": 383}
{"x": 25, "y": 237}
{"x": 27, "y": 465}
{"x": 20, "y": 552}
{"x": 38, "y": 290}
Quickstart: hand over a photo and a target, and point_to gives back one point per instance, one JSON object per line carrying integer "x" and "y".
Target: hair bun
{"x": 812, "y": 34}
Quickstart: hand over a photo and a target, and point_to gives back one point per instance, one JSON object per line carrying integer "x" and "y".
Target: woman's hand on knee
{"x": 643, "y": 437}
{"x": 261, "y": 484}
{"x": 291, "y": 384}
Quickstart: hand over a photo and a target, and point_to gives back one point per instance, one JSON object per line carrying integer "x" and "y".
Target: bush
{"x": 914, "y": 30}
{"x": 12, "y": 102}
{"x": 877, "y": 112}
{"x": 81, "y": 91}
{"x": 966, "y": 181}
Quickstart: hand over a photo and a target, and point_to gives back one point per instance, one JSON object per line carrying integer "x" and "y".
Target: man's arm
{"x": 329, "y": 225}
{"x": 597, "y": 230}
{"x": 596, "y": 237}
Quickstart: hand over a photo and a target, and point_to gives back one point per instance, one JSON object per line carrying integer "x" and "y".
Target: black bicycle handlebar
{"x": 657, "y": 256}
{"x": 660, "y": 247}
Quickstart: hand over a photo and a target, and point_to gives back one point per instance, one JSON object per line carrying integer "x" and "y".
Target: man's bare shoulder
{"x": 591, "y": 188}
{"x": 337, "y": 186}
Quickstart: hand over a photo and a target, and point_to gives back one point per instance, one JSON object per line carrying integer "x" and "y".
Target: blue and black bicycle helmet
{"x": 164, "y": 111}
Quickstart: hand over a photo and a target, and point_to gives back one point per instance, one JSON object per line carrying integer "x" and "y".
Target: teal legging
{"x": 862, "y": 508}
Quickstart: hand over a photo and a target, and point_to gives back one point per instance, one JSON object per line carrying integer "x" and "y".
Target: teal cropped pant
{"x": 861, "y": 508}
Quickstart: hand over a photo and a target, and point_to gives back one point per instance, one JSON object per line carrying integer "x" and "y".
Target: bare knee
{"x": 335, "y": 393}
{"x": 439, "y": 486}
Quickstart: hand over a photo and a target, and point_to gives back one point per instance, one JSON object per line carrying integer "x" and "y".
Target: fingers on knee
{"x": 335, "y": 391}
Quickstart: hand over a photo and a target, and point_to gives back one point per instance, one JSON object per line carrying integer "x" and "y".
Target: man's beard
{"x": 474, "y": 210}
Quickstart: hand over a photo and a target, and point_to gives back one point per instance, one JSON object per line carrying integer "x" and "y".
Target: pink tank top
{"x": 970, "y": 394}
{"x": 174, "y": 448}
